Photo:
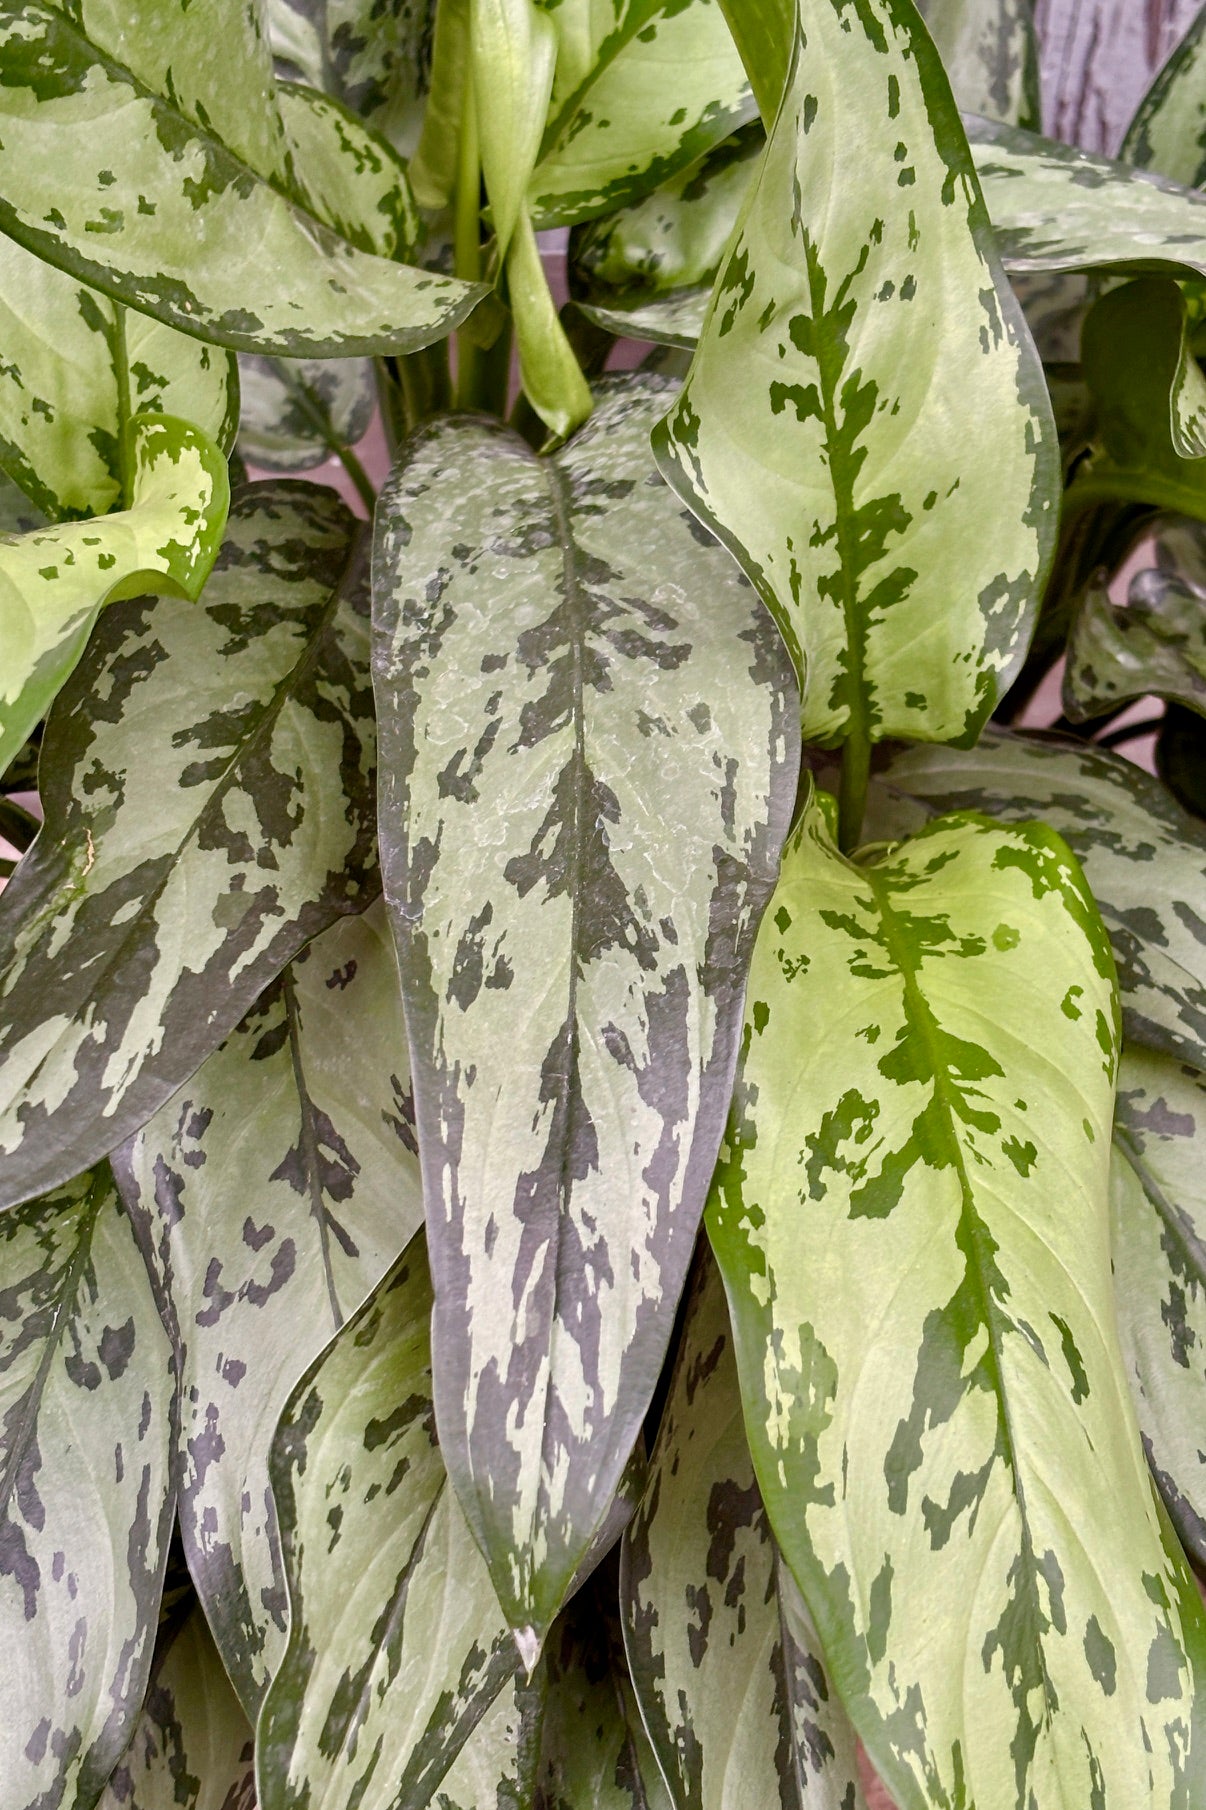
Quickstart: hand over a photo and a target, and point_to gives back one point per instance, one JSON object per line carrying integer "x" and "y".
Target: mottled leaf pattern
{"x": 193, "y": 1747}
{"x": 86, "y": 1397}
{"x": 351, "y": 178}
{"x": 913, "y": 1224}
{"x": 654, "y": 100}
{"x": 76, "y": 369}
{"x": 297, "y": 412}
{"x": 397, "y": 1645}
{"x": 722, "y": 1653}
{"x": 1144, "y": 859}
{"x": 220, "y": 244}
{"x": 1158, "y": 1184}
{"x": 903, "y": 563}
{"x": 373, "y": 56}
{"x": 990, "y": 53}
{"x": 207, "y": 778}
{"x": 588, "y": 766}
{"x": 271, "y": 1194}
{"x": 1155, "y": 643}
{"x": 1168, "y": 132}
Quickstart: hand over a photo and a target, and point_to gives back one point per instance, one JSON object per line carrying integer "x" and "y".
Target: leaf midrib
{"x": 309, "y": 1143}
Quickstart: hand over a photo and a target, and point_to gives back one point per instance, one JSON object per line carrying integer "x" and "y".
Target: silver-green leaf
{"x": 295, "y": 413}
{"x": 271, "y": 1194}
{"x": 373, "y": 57}
{"x": 902, "y": 562}
{"x": 912, "y": 1218}
{"x": 207, "y": 779}
{"x": 1154, "y": 644}
{"x": 86, "y": 1400}
{"x": 1168, "y": 132}
{"x": 572, "y": 680}
{"x": 991, "y": 54}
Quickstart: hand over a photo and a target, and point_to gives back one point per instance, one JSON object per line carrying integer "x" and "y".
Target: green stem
{"x": 365, "y": 488}
{"x": 467, "y": 243}
{"x": 125, "y": 447}
{"x": 496, "y": 372}
{"x": 852, "y": 792}
{"x": 347, "y": 458}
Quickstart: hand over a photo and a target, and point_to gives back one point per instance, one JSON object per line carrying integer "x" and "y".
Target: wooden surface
{"x": 1098, "y": 58}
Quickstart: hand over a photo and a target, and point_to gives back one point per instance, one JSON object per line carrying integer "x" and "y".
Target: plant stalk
{"x": 852, "y": 790}
{"x": 467, "y": 244}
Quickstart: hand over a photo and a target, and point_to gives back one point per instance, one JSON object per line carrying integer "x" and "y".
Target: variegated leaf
{"x": 1158, "y": 1184}
{"x": 1168, "y": 132}
{"x": 1154, "y": 644}
{"x": 903, "y": 563}
{"x": 207, "y": 779}
{"x": 724, "y": 1660}
{"x": 1057, "y": 208}
{"x": 373, "y": 57}
{"x": 397, "y": 1646}
{"x": 912, "y": 1219}
{"x": 297, "y": 412}
{"x": 17, "y": 514}
{"x": 271, "y": 1194}
{"x": 193, "y": 1747}
{"x": 572, "y": 681}
{"x": 763, "y": 31}
{"x": 990, "y": 52}
{"x": 664, "y": 87}
{"x": 76, "y": 368}
{"x": 86, "y": 1394}
{"x": 1144, "y": 859}
{"x": 106, "y": 173}
{"x": 351, "y": 178}
{"x": 55, "y": 581}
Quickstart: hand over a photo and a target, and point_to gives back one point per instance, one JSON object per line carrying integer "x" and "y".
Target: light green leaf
{"x": 1158, "y": 1185}
{"x": 433, "y": 168}
{"x": 207, "y": 779}
{"x": 902, "y": 562}
{"x": 272, "y": 1193}
{"x": 1144, "y": 859}
{"x": 397, "y": 1645}
{"x": 549, "y": 372}
{"x": 76, "y": 369}
{"x": 991, "y": 55}
{"x": 1057, "y": 208}
{"x": 912, "y": 1220}
{"x": 613, "y": 692}
{"x": 352, "y": 179}
{"x": 665, "y": 320}
{"x": 1154, "y": 644}
{"x": 220, "y": 245}
{"x": 1168, "y": 132}
{"x": 763, "y": 32}
{"x": 297, "y": 412}
{"x": 55, "y": 581}
{"x": 514, "y": 50}
{"x": 86, "y": 1395}
{"x": 373, "y": 57}
{"x": 665, "y": 86}
{"x": 723, "y": 1656}
{"x": 192, "y": 1749}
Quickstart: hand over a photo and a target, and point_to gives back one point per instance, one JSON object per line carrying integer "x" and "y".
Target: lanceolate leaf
{"x": 1153, "y": 644}
{"x": 271, "y": 1194}
{"x": 76, "y": 369}
{"x": 990, "y": 52}
{"x": 1158, "y": 1182}
{"x": 1143, "y": 857}
{"x": 86, "y": 1395}
{"x": 572, "y": 680}
{"x": 1168, "y": 133}
{"x": 666, "y": 86}
{"x": 762, "y": 31}
{"x": 723, "y": 1657}
{"x": 225, "y": 247}
{"x": 207, "y": 778}
{"x": 55, "y": 581}
{"x": 193, "y": 1747}
{"x": 297, "y": 412}
{"x": 912, "y": 1219}
{"x": 514, "y": 49}
{"x": 789, "y": 437}
{"x": 397, "y": 1645}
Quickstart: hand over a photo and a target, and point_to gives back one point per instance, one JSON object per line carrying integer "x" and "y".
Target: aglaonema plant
{"x": 599, "y": 1141}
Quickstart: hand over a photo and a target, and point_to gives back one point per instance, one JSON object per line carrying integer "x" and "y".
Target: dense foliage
{"x": 602, "y": 1187}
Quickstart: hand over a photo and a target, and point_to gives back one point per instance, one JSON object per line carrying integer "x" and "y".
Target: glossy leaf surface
{"x": 228, "y": 246}
{"x": 297, "y": 412}
{"x": 901, "y": 562}
{"x": 272, "y": 1193}
{"x": 351, "y": 178}
{"x": 913, "y": 1225}
{"x": 55, "y": 581}
{"x": 723, "y": 1656}
{"x": 1158, "y": 1184}
{"x": 207, "y": 779}
{"x": 86, "y": 1395}
{"x": 1168, "y": 133}
{"x": 572, "y": 682}
{"x": 193, "y": 1748}
{"x": 1143, "y": 857}
{"x": 664, "y": 87}
{"x": 990, "y": 53}
{"x": 76, "y": 369}
{"x": 397, "y": 1645}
